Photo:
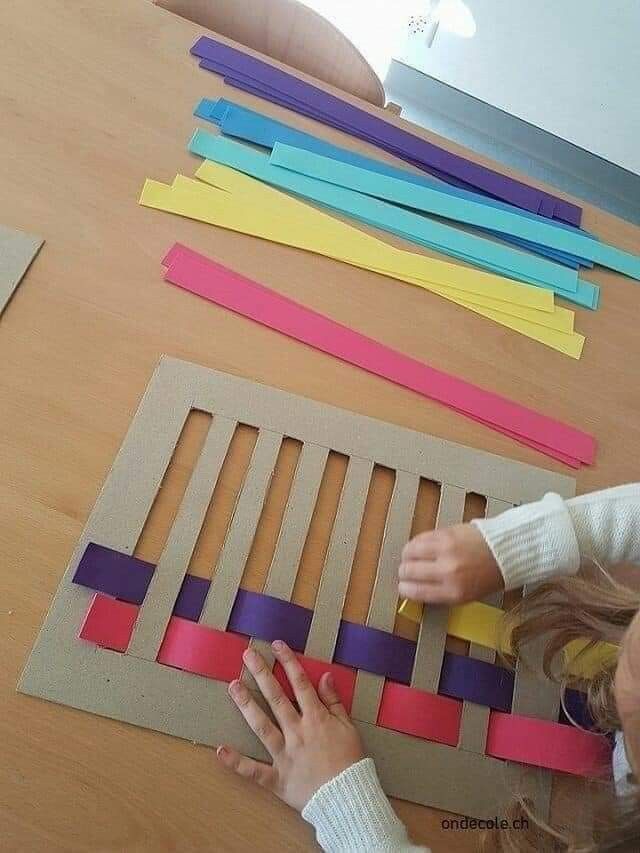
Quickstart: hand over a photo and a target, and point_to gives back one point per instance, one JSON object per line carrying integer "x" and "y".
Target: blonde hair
{"x": 597, "y": 608}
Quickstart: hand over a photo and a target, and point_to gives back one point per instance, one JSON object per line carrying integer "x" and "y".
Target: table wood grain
{"x": 94, "y": 97}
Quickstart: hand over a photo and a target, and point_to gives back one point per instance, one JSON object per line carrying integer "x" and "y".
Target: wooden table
{"x": 94, "y": 97}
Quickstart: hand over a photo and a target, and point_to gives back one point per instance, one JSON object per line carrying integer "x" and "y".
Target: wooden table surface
{"x": 94, "y": 97}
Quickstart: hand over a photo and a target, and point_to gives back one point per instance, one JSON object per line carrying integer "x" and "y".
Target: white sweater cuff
{"x": 351, "y": 814}
{"x": 534, "y": 542}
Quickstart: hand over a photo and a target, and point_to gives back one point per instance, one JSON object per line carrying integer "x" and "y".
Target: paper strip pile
{"x": 253, "y": 75}
{"x": 240, "y": 203}
{"x": 240, "y": 122}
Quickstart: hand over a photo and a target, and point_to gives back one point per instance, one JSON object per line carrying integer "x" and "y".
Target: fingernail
{"x": 234, "y": 688}
{"x": 330, "y": 681}
{"x": 249, "y": 656}
{"x": 221, "y": 750}
{"x": 278, "y": 645}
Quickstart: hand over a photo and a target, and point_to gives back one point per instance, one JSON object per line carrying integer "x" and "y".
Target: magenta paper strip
{"x": 206, "y": 278}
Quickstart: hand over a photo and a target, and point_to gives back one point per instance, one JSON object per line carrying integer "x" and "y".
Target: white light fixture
{"x": 377, "y": 28}
{"x": 452, "y": 16}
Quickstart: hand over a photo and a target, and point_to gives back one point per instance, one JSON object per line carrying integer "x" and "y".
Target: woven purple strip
{"x": 119, "y": 575}
{"x": 269, "y": 619}
{"x": 476, "y": 681}
{"x": 375, "y": 651}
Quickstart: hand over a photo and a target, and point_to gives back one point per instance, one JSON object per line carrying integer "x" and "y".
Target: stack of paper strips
{"x": 153, "y": 645}
{"x": 240, "y": 203}
{"x": 252, "y": 75}
{"x": 400, "y": 192}
{"x": 251, "y": 126}
{"x": 17, "y": 251}
{"x": 428, "y": 232}
{"x": 214, "y": 282}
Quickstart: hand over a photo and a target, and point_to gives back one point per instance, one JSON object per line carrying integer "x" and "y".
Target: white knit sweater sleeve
{"x": 351, "y": 814}
{"x": 552, "y": 537}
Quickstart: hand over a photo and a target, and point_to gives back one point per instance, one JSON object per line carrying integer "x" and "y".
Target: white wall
{"x": 571, "y": 67}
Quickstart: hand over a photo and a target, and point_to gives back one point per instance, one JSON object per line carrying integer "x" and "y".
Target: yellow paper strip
{"x": 481, "y": 623}
{"x": 441, "y": 273}
{"x": 197, "y": 201}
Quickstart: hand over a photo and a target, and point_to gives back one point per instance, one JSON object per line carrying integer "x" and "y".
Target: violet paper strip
{"x": 270, "y": 618}
{"x": 476, "y": 681}
{"x": 362, "y": 647}
{"x": 116, "y": 574}
{"x": 297, "y": 94}
{"x": 246, "y": 84}
{"x": 385, "y": 134}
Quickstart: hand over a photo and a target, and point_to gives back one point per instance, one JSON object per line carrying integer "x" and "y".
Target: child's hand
{"x": 448, "y": 566}
{"x": 310, "y": 747}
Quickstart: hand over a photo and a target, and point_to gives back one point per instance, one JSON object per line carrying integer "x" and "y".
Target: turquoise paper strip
{"x": 379, "y": 214}
{"x": 435, "y": 202}
{"x": 243, "y": 123}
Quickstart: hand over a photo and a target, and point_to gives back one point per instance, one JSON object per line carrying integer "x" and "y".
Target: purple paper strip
{"x": 120, "y": 575}
{"x": 476, "y": 681}
{"x": 361, "y": 122}
{"x": 375, "y": 651}
{"x": 268, "y": 618}
{"x": 191, "y": 597}
{"x": 576, "y": 702}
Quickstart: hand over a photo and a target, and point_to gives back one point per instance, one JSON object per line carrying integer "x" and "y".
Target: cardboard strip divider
{"x": 17, "y": 251}
{"x": 214, "y": 282}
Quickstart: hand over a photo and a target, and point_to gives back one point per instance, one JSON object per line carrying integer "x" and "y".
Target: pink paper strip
{"x": 202, "y": 650}
{"x": 546, "y": 744}
{"x": 109, "y": 623}
{"x": 206, "y": 278}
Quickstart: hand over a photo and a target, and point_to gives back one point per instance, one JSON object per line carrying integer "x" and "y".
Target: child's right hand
{"x": 448, "y": 566}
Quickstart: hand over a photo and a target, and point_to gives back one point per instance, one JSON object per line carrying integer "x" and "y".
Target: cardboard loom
{"x": 136, "y": 688}
{"x": 17, "y": 251}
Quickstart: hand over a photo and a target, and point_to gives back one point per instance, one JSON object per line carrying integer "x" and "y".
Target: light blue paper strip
{"x": 243, "y": 123}
{"x": 435, "y": 202}
{"x": 379, "y": 214}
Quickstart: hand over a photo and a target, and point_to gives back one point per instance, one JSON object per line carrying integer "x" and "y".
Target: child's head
{"x": 598, "y": 609}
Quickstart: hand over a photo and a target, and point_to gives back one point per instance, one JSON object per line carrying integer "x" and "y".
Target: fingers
{"x": 306, "y": 696}
{"x": 424, "y": 546}
{"x": 418, "y": 570}
{"x": 262, "y": 774}
{"x": 283, "y": 710}
{"x": 328, "y": 694}
{"x": 256, "y": 718}
{"x": 431, "y": 593}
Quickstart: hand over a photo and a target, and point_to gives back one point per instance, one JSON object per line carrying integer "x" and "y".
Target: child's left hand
{"x": 309, "y": 747}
